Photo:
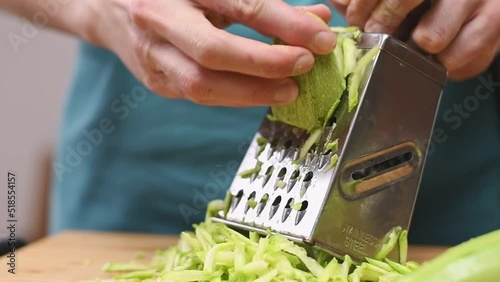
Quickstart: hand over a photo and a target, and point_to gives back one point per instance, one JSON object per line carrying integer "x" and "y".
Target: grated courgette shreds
{"x": 214, "y": 252}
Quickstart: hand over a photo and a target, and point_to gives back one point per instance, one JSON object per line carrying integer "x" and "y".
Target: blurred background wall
{"x": 33, "y": 85}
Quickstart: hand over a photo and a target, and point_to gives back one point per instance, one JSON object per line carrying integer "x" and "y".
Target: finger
{"x": 216, "y": 88}
{"x": 341, "y": 9}
{"x": 150, "y": 71}
{"x": 476, "y": 38}
{"x": 476, "y": 66}
{"x": 278, "y": 18}
{"x": 160, "y": 84}
{"x": 344, "y": 3}
{"x": 213, "y": 48}
{"x": 359, "y": 11}
{"x": 389, "y": 14}
{"x": 218, "y": 20}
{"x": 441, "y": 24}
{"x": 318, "y": 10}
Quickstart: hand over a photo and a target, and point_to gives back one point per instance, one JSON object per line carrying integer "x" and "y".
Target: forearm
{"x": 69, "y": 16}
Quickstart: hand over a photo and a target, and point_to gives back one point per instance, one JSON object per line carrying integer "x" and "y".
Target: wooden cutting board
{"x": 77, "y": 256}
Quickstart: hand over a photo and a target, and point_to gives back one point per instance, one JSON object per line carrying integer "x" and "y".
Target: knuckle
{"x": 207, "y": 51}
{"x": 194, "y": 86}
{"x": 470, "y": 5}
{"x": 383, "y": 17}
{"x": 401, "y": 8}
{"x": 154, "y": 84}
{"x": 280, "y": 64}
{"x": 352, "y": 14}
{"x": 432, "y": 40}
{"x": 357, "y": 10}
{"x": 393, "y": 11}
{"x": 141, "y": 47}
{"x": 396, "y": 7}
{"x": 489, "y": 25}
{"x": 138, "y": 11}
{"x": 279, "y": 67}
{"x": 248, "y": 10}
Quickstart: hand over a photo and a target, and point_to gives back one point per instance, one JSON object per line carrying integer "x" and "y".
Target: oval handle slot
{"x": 380, "y": 169}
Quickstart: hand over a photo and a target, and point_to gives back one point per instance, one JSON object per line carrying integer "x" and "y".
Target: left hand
{"x": 463, "y": 35}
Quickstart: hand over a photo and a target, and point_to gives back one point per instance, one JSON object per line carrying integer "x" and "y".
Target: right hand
{"x": 176, "y": 51}
{"x": 464, "y": 36}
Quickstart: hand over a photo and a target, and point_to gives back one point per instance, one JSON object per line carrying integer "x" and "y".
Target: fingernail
{"x": 324, "y": 41}
{"x": 287, "y": 92}
{"x": 303, "y": 64}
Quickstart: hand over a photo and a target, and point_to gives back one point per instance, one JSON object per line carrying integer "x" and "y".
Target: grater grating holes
{"x": 274, "y": 207}
{"x": 301, "y": 212}
{"x": 293, "y": 180}
{"x": 262, "y": 203}
{"x": 286, "y": 149}
{"x": 313, "y": 148}
{"x": 306, "y": 183}
{"x": 250, "y": 201}
{"x": 272, "y": 148}
{"x": 274, "y": 142}
{"x": 325, "y": 158}
{"x": 287, "y": 210}
{"x": 282, "y": 173}
{"x": 268, "y": 174}
{"x": 236, "y": 200}
{"x": 281, "y": 176}
{"x": 308, "y": 176}
{"x": 331, "y": 121}
{"x": 254, "y": 176}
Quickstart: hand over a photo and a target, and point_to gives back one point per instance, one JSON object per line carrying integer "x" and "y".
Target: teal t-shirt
{"x": 129, "y": 160}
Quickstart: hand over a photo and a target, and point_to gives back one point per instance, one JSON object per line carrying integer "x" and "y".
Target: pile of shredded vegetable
{"x": 214, "y": 252}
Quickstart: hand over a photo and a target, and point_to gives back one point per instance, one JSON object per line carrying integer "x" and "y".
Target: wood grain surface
{"x": 77, "y": 256}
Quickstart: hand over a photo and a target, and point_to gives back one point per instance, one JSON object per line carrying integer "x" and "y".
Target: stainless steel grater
{"x": 382, "y": 148}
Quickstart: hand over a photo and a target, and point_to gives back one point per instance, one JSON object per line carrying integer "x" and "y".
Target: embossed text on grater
{"x": 347, "y": 208}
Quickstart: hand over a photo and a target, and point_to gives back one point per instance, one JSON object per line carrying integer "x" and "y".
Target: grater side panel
{"x": 397, "y": 114}
{"x": 412, "y": 58}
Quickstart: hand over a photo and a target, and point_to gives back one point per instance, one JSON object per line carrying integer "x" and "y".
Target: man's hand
{"x": 463, "y": 35}
{"x": 177, "y": 49}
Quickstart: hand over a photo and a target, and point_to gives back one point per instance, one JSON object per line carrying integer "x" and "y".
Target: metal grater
{"x": 382, "y": 148}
